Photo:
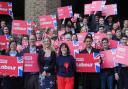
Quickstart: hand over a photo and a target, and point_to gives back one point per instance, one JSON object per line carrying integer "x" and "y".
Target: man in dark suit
{"x": 31, "y": 79}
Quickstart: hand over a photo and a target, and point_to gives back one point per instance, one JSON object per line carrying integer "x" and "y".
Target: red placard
{"x": 6, "y": 8}
{"x": 31, "y": 62}
{"x": 110, "y": 10}
{"x": 108, "y": 58}
{"x": 81, "y": 36}
{"x": 65, "y": 12}
{"x": 11, "y": 66}
{"x": 99, "y": 36}
{"x": 3, "y": 42}
{"x": 19, "y": 27}
{"x": 88, "y": 62}
{"x": 98, "y": 5}
{"x": 113, "y": 43}
{"x": 122, "y": 54}
{"x": 87, "y": 9}
{"x": 74, "y": 47}
{"x": 48, "y": 21}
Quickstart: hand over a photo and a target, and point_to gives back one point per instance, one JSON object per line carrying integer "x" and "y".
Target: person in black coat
{"x": 31, "y": 78}
{"x": 47, "y": 60}
{"x": 89, "y": 80}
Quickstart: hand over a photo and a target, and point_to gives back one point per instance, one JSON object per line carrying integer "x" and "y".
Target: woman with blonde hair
{"x": 47, "y": 58}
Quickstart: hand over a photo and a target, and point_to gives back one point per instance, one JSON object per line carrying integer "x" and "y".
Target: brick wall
{"x": 35, "y": 8}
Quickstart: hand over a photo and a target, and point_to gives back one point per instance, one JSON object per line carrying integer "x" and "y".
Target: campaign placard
{"x": 31, "y": 62}
{"x": 110, "y": 10}
{"x": 19, "y": 27}
{"x": 122, "y": 54}
{"x": 88, "y": 62}
{"x": 87, "y": 9}
{"x": 48, "y": 21}
{"x": 108, "y": 58}
{"x": 11, "y": 66}
{"x": 98, "y": 5}
{"x": 65, "y": 12}
{"x": 6, "y": 8}
{"x": 3, "y": 42}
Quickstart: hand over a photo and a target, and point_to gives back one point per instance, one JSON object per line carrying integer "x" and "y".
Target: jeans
{"x": 106, "y": 81}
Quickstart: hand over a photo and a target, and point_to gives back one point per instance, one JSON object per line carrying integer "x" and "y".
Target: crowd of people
{"x": 57, "y": 65}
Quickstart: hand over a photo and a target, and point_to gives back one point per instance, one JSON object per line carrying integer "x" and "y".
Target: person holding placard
{"x": 66, "y": 67}
{"x": 47, "y": 60}
{"x": 107, "y": 74}
{"x": 10, "y": 82}
{"x": 90, "y": 80}
{"x": 31, "y": 78}
{"x": 121, "y": 76}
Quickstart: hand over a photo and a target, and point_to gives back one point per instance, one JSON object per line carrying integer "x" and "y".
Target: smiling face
{"x": 105, "y": 44}
{"x": 32, "y": 40}
{"x": 124, "y": 41}
{"x": 118, "y": 33}
{"x": 101, "y": 29}
{"x": 6, "y": 30}
{"x": 88, "y": 42}
{"x": 13, "y": 46}
{"x": 46, "y": 42}
{"x": 64, "y": 50}
{"x": 101, "y": 21}
{"x": 38, "y": 35}
{"x": 109, "y": 35}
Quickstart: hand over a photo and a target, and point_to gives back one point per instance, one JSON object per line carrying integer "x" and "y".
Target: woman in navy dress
{"x": 47, "y": 58}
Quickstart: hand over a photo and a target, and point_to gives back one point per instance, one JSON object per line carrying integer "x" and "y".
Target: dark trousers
{"x": 1, "y": 82}
{"x": 79, "y": 81}
{"x": 12, "y": 83}
{"x": 123, "y": 79}
{"x": 91, "y": 81}
{"x": 87, "y": 81}
{"x": 31, "y": 81}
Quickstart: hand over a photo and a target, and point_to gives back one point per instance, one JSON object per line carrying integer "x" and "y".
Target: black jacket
{"x": 49, "y": 65}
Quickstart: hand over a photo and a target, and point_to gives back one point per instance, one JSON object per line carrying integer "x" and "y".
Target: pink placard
{"x": 11, "y": 66}
{"x": 113, "y": 43}
{"x": 87, "y": 9}
{"x": 98, "y": 5}
{"x": 110, "y": 10}
{"x": 87, "y": 62}
{"x": 6, "y": 8}
{"x": 3, "y": 42}
{"x": 48, "y": 21}
{"x": 108, "y": 58}
{"x": 81, "y": 36}
{"x": 31, "y": 62}
{"x": 19, "y": 27}
{"x": 65, "y": 12}
{"x": 122, "y": 54}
